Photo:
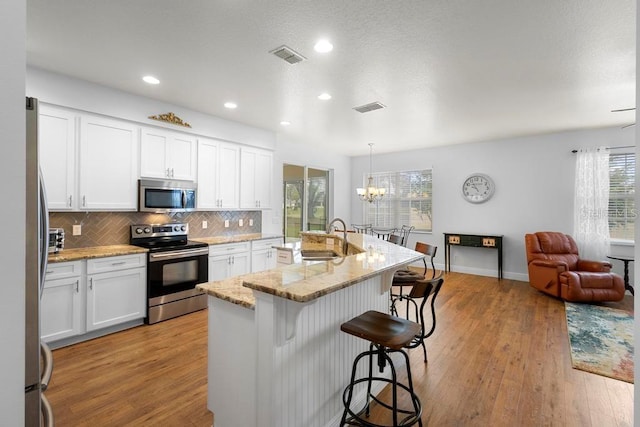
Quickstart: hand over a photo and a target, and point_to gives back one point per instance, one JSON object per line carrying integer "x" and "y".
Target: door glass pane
{"x": 293, "y": 201}
{"x": 317, "y": 199}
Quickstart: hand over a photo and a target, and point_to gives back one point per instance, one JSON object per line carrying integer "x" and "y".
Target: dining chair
{"x": 362, "y": 228}
{"x": 383, "y": 233}
{"x": 405, "y": 230}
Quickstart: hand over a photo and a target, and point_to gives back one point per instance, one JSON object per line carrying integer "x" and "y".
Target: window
{"x": 622, "y": 209}
{"x": 408, "y": 200}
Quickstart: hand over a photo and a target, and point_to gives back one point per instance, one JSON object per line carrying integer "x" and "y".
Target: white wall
{"x": 291, "y": 152}
{"x": 534, "y": 179}
{"x": 12, "y": 171}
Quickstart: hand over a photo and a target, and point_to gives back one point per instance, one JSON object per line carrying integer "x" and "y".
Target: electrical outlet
{"x": 240, "y": 223}
{"x": 205, "y": 224}
{"x": 226, "y": 223}
{"x": 77, "y": 230}
{"x": 250, "y": 223}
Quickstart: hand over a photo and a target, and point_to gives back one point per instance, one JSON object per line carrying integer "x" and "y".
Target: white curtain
{"x": 591, "y": 204}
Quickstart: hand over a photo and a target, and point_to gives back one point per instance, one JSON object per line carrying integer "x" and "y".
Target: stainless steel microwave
{"x": 166, "y": 196}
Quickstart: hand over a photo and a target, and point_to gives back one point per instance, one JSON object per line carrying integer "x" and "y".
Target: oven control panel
{"x": 159, "y": 230}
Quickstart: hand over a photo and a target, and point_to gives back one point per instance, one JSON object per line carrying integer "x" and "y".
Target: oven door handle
{"x": 178, "y": 254}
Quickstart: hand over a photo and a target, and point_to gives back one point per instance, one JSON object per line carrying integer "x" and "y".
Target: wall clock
{"x": 478, "y": 188}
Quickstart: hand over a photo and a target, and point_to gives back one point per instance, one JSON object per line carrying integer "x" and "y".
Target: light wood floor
{"x": 499, "y": 357}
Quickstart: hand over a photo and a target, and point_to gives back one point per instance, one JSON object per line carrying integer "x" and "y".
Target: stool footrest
{"x": 355, "y": 418}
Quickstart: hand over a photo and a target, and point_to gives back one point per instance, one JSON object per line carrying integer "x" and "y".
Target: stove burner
{"x": 163, "y": 237}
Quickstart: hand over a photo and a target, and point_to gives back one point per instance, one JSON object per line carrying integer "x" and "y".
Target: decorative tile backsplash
{"x": 113, "y": 228}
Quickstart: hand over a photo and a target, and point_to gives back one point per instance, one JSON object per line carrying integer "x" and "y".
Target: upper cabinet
{"x": 88, "y": 162}
{"x": 108, "y": 164}
{"x": 57, "y": 144}
{"x": 167, "y": 155}
{"x": 218, "y": 175}
{"x": 256, "y": 168}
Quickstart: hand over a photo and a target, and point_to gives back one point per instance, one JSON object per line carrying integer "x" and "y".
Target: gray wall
{"x": 12, "y": 170}
{"x": 534, "y": 179}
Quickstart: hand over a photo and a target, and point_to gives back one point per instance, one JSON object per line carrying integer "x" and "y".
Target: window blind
{"x": 408, "y": 200}
{"x": 622, "y": 209}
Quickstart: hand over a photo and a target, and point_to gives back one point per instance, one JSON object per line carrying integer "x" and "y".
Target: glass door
{"x": 306, "y": 200}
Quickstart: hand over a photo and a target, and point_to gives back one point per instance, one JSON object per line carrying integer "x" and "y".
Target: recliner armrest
{"x": 594, "y": 266}
{"x": 547, "y": 263}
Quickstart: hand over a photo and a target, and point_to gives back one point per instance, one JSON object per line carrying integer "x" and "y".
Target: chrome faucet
{"x": 344, "y": 233}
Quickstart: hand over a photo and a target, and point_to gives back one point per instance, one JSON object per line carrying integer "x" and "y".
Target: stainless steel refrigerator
{"x": 39, "y": 361}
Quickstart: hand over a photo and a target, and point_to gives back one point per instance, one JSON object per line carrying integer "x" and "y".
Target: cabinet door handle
{"x": 70, "y": 200}
{"x": 167, "y": 174}
{"x": 118, "y": 263}
{"x": 77, "y": 286}
{"x": 84, "y": 201}
{"x": 172, "y": 172}
{"x": 91, "y": 283}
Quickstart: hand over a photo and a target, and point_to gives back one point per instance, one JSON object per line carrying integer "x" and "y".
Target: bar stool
{"x": 387, "y": 334}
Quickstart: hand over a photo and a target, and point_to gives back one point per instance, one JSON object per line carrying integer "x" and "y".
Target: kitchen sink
{"x": 318, "y": 254}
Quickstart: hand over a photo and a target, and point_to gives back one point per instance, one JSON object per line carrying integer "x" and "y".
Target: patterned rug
{"x": 601, "y": 340}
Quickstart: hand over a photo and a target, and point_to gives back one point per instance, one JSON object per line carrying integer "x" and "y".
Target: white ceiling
{"x": 449, "y": 71}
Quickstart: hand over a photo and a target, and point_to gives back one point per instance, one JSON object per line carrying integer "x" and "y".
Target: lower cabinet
{"x": 62, "y": 303}
{"x": 263, "y": 254}
{"x": 228, "y": 260}
{"x": 115, "y": 297}
{"x": 83, "y": 296}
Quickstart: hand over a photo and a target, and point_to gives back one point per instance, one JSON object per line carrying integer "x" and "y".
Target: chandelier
{"x": 371, "y": 193}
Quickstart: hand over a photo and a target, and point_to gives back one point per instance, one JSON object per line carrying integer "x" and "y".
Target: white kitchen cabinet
{"x": 167, "y": 155}
{"x": 264, "y": 255}
{"x": 88, "y": 162}
{"x": 57, "y": 144}
{"x": 256, "y": 172}
{"x": 228, "y": 260}
{"x": 218, "y": 175}
{"x": 116, "y": 290}
{"x": 108, "y": 164}
{"x": 62, "y": 303}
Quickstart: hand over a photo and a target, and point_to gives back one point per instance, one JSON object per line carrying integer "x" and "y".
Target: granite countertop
{"x": 310, "y": 280}
{"x": 94, "y": 252}
{"x": 238, "y": 238}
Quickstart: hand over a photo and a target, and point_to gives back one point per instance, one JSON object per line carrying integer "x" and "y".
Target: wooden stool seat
{"x": 406, "y": 276}
{"x": 382, "y": 329}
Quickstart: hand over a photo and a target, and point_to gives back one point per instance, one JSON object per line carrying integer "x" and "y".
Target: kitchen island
{"x": 276, "y": 354}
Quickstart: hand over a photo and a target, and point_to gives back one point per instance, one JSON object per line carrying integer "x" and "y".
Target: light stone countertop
{"x": 310, "y": 280}
{"x": 76, "y": 254}
{"x": 238, "y": 238}
{"x": 94, "y": 252}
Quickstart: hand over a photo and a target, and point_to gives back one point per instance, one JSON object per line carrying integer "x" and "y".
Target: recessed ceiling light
{"x": 324, "y": 96}
{"x": 230, "y": 105}
{"x": 151, "y": 80}
{"x": 285, "y": 123}
{"x": 323, "y": 46}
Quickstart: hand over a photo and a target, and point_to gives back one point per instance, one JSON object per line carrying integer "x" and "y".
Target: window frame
{"x": 626, "y": 164}
{"x": 394, "y": 199}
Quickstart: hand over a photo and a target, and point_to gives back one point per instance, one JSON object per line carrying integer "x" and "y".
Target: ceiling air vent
{"x": 288, "y": 54}
{"x": 369, "y": 107}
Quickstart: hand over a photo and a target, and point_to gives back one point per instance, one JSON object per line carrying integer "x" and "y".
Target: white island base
{"x": 277, "y": 357}
{"x": 286, "y": 363}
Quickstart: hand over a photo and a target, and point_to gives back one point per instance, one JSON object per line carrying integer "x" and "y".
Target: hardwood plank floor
{"x": 499, "y": 357}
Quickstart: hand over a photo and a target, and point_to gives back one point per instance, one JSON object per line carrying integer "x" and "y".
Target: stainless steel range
{"x": 175, "y": 265}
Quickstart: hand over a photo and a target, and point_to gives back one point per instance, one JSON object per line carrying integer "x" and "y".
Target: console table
{"x": 472, "y": 240}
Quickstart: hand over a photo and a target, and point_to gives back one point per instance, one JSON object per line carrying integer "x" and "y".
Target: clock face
{"x": 478, "y": 188}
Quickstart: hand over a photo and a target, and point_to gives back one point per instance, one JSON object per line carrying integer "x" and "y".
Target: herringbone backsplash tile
{"x": 113, "y": 228}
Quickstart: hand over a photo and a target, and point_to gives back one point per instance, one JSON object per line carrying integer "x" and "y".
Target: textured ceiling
{"x": 449, "y": 71}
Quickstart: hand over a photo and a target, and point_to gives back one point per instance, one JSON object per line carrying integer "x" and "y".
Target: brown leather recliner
{"x": 556, "y": 269}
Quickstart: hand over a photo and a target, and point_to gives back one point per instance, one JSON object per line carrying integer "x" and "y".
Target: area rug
{"x": 601, "y": 340}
